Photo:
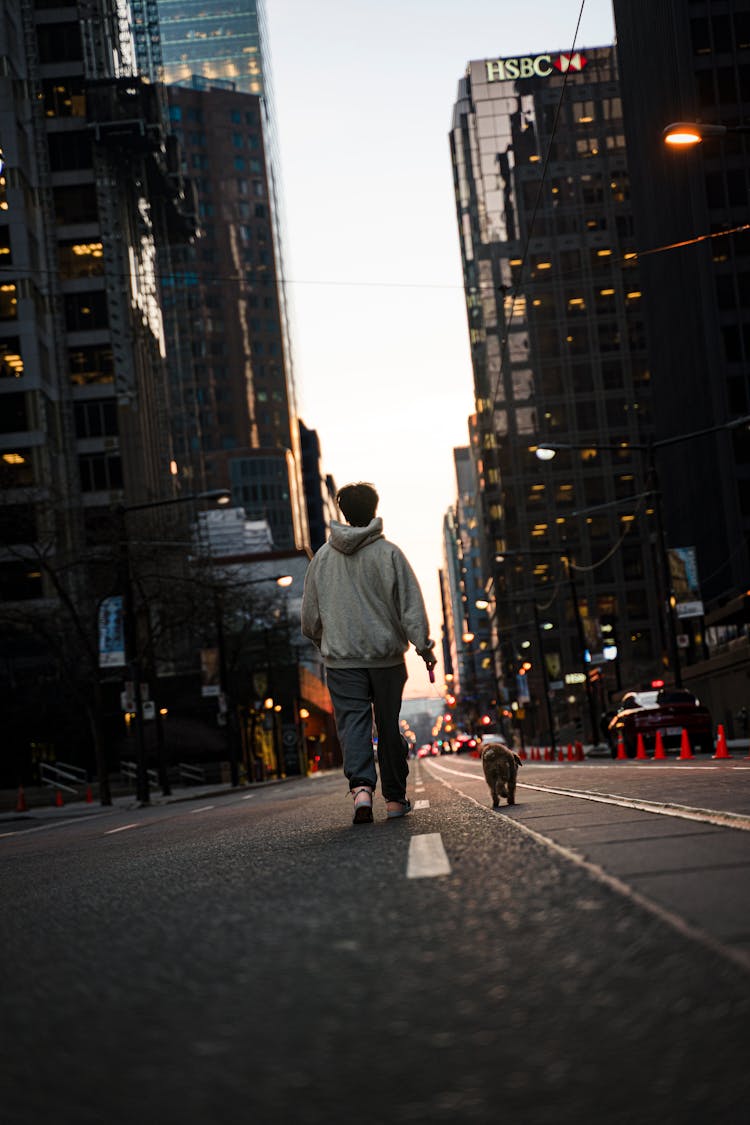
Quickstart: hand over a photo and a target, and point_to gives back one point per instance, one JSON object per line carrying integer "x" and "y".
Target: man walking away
{"x": 362, "y": 606}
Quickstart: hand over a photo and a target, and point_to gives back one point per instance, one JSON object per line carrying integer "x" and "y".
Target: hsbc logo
{"x": 530, "y": 66}
{"x": 576, "y": 61}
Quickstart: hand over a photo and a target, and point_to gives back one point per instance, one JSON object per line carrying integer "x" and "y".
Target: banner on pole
{"x": 111, "y": 633}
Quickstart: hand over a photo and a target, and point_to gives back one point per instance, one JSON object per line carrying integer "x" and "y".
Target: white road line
{"x": 56, "y": 824}
{"x": 203, "y": 808}
{"x": 662, "y": 808}
{"x": 421, "y": 804}
{"x": 427, "y": 857}
{"x": 737, "y": 956}
{"x": 249, "y": 797}
{"x": 124, "y": 828}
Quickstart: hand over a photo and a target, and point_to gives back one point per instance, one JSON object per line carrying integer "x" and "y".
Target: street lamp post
{"x": 545, "y": 677}
{"x": 546, "y": 451}
{"x": 132, "y": 655}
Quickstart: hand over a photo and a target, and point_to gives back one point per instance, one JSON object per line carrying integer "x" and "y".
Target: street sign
{"x": 149, "y": 709}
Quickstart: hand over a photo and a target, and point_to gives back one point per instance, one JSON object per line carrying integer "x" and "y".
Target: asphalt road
{"x": 253, "y": 957}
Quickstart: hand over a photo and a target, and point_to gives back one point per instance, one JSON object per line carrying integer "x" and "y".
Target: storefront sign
{"x": 530, "y": 66}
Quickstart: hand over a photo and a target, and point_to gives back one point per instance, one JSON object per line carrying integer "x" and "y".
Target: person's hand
{"x": 428, "y": 655}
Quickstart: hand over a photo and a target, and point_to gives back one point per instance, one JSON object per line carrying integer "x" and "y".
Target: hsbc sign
{"x": 530, "y": 66}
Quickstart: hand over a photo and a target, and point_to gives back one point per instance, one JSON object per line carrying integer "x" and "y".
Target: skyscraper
{"x": 558, "y": 352}
{"x": 235, "y": 388}
{"x": 691, "y": 62}
{"x": 694, "y": 64}
{"x": 85, "y": 196}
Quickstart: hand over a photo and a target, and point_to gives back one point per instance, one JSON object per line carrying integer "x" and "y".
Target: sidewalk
{"x": 41, "y": 805}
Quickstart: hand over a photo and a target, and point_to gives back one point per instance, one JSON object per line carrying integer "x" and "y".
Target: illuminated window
{"x": 8, "y": 301}
{"x": 11, "y": 363}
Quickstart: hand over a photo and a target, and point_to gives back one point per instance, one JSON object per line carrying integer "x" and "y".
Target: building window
{"x": 64, "y": 97}
{"x": 11, "y": 363}
{"x": 8, "y": 301}
{"x": 80, "y": 258}
{"x": 75, "y": 204}
{"x": 69, "y": 151}
{"x": 85, "y": 311}
{"x": 13, "y": 415}
{"x": 16, "y": 468}
{"x": 59, "y": 42}
{"x": 96, "y": 418}
{"x": 90, "y": 365}
{"x": 19, "y": 582}
{"x": 100, "y": 472}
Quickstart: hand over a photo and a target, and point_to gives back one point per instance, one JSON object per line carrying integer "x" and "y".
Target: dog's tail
{"x": 518, "y": 760}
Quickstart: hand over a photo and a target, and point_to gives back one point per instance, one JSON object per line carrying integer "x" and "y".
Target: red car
{"x": 669, "y": 710}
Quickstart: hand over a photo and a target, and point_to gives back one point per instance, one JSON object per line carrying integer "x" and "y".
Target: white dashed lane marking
{"x": 427, "y": 857}
{"x": 203, "y": 808}
{"x": 124, "y": 828}
{"x": 421, "y": 804}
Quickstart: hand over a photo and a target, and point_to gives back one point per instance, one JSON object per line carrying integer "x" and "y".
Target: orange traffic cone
{"x": 579, "y": 752}
{"x": 547, "y": 754}
{"x": 570, "y": 751}
{"x": 722, "y": 750}
{"x": 522, "y": 754}
{"x": 640, "y": 752}
{"x": 560, "y": 757}
{"x": 89, "y": 795}
{"x": 659, "y": 753}
{"x": 59, "y": 799}
{"x": 21, "y": 805}
{"x": 685, "y": 751}
{"x": 621, "y": 755}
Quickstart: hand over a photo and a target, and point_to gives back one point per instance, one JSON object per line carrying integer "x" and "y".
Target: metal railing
{"x": 57, "y": 776}
{"x": 130, "y": 771}
{"x": 191, "y": 774}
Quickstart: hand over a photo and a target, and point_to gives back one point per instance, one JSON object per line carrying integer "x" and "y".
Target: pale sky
{"x": 364, "y": 93}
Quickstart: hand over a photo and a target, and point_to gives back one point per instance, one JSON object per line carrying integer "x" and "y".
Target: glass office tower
{"x": 218, "y": 39}
{"x": 558, "y": 354}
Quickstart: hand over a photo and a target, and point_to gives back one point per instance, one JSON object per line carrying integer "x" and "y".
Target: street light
{"x": 684, "y": 134}
{"x": 545, "y": 451}
{"x": 132, "y": 656}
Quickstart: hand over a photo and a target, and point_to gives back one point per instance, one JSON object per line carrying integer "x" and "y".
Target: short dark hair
{"x": 358, "y": 502}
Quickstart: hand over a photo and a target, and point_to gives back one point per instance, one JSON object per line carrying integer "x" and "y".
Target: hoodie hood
{"x": 348, "y": 539}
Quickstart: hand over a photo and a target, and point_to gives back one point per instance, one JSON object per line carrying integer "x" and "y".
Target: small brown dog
{"x": 500, "y": 765}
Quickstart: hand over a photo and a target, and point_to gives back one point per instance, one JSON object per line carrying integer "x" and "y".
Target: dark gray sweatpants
{"x": 360, "y": 695}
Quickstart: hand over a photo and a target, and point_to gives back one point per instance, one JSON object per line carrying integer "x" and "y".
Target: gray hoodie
{"x": 362, "y": 604}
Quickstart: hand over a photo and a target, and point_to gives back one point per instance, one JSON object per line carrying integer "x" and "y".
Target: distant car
{"x": 465, "y": 742}
{"x": 425, "y": 750}
{"x": 669, "y": 710}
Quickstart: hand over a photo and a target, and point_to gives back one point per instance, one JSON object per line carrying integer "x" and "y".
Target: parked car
{"x": 669, "y": 710}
